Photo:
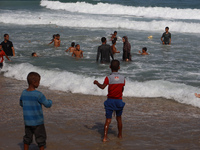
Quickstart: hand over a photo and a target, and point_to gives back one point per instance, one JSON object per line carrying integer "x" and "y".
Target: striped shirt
{"x": 32, "y": 102}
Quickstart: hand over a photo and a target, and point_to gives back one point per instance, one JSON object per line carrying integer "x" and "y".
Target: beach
{"x": 75, "y": 121}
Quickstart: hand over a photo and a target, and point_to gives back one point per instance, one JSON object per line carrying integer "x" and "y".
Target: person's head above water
{"x": 115, "y": 33}
{"x": 33, "y": 77}
{"x": 103, "y": 40}
{"x": 144, "y": 49}
{"x": 72, "y": 44}
{"x": 113, "y": 41}
{"x": 77, "y": 47}
{"x": 115, "y": 65}
{"x": 34, "y": 54}
{"x": 166, "y": 29}
{"x": 6, "y": 37}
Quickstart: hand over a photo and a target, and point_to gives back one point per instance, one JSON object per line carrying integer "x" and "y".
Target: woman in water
{"x": 126, "y": 49}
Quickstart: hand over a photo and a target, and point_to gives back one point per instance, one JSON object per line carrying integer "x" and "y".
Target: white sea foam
{"x": 85, "y": 21}
{"x": 66, "y": 81}
{"x": 116, "y": 9}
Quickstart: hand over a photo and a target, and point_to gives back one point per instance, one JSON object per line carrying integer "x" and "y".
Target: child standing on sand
{"x": 116, "y": 83}
{"x": 2, "y": 53}
{"x": 32, "y": 100}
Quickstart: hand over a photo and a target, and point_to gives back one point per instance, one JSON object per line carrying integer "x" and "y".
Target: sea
{"x": 170, "y": 72}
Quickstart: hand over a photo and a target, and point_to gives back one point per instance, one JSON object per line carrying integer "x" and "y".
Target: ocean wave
{"x": 70, "y": 82}
{"x": 116, "y": 9}
{"x": 82, "y": 21}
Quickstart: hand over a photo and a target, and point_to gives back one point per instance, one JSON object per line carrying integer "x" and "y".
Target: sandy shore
{"x": 75, "y": 122}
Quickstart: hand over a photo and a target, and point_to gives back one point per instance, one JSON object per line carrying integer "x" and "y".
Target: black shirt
{"x": 7, "y": 47}
{"x": 106, "y": 52}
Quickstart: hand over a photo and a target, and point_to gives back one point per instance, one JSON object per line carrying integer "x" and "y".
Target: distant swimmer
{"x": 114, "y": 36}
{"x": 167, "y": 37}
{"x": 105, "y": 51}
{"x": 71, "y": 48}
{"x": 113, "y": 48}
{"x": 56, "y": 40}
{"x": 34, "y": 54}
{"x": 144, "y": 51}
{"x": 2, "y": 54}
{"x": 126, "y": 49}
{"x": 8, "y": 46}
{"x": 78, "y": 53}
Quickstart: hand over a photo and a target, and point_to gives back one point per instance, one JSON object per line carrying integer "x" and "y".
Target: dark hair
{"x": 33, "y": 53}
{"x": 103, "y": 39}
{"x": 144, "y": 48}
{"x": 5, "y": 35}
{"x": 33, "y": 76}
{"x": 114, "y": 65}
{"x": 54, "y": 36}
{"x": 115, "y": 31}
{"x": 57, "y": 34}
{"x": 167, "y": 28}
{"x": 72, "y": 44}
{"x": 76, "y": 45}
{"x": 113, "y": 41}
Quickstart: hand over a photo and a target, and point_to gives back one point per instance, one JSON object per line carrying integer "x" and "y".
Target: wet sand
{"x": 75, "y": 122}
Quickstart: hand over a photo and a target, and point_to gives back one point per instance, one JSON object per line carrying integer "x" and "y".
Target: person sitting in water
{"x": 144, "y": 51}
{"x": 56, "y": 40}
{"x": 167, "y": 37}
{"x": 77, "y": 53}
{"x": 34, "y": 54}
{"x": 113, "y": 48}
{"x": 71, "y": 48}
{"x": 2, "y": 53}
{"x": 114, "y": 36}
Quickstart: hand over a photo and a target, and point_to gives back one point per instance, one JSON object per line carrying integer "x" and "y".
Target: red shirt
{"x": 115, "y": 83}
{"x": 2, "y": 53}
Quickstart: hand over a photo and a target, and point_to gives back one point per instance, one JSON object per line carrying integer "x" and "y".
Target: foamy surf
{"x": 96, "y": 22}
{"x": 116, "y": 9}
{"x": 70, "y": 82}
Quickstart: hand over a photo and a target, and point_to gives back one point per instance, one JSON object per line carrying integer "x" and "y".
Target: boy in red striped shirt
{"x": 116, "y": 83}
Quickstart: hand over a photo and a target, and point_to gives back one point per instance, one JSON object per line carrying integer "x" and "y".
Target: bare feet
{"x": 105, "y": 139}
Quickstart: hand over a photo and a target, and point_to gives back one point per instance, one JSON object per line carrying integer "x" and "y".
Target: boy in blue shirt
{"x": 32, "y": 100}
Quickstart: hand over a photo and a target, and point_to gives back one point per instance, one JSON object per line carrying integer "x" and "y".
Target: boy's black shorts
{"x": 1, "y": 65}
{"x": 39, "y": 132}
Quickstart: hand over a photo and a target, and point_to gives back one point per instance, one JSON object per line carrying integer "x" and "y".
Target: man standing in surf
{"x": 105, "y": 51}
{"x": 116, "y": 83}
{"x": 167, "y": 37}
{"x": 8, "y": 46}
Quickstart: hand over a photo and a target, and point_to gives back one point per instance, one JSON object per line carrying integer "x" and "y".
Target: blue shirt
{"x": 32, "y": 102}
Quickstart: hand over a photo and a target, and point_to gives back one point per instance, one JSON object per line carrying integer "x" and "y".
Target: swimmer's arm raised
{"x": 101, "y": 86}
